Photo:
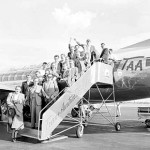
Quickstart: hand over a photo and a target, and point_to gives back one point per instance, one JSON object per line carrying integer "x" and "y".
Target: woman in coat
{"x": 15, "y": 102}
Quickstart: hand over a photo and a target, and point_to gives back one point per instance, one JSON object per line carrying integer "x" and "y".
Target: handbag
{"x": 11, "y": 112}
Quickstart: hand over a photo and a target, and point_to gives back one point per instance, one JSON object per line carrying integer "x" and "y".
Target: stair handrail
{"x": 63, "y": 91}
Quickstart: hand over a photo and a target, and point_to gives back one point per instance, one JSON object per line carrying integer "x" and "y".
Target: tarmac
{"x": 133, "y": 135}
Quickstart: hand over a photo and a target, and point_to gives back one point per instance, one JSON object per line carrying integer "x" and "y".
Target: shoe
{"x": 14, "y": 140}
{"x": 117, "y": 116}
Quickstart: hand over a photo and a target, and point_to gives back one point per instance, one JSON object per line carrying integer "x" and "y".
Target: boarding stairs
{"x": 54, "y": 115}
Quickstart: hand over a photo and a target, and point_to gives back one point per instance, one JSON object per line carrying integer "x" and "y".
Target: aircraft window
{"x": 33, "y": 72}
{"x": 23, "y": 77}
{"x": 148, "y": 62}
{"x": 1, "y": 77}
{"x": 12, "y": 77}
{"x": 19, "y": 77}
{"x": 6, "y": 77}
{"x": 28, "y": 72}
{"x": 19, "y": 73}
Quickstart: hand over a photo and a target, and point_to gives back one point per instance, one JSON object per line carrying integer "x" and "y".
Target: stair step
{"x": 31, "y": 133}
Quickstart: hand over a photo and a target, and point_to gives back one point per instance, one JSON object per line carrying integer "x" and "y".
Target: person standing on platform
{"x": 15, "y": 102}
{"x": 102, "y": 46}
{"x": 112, "y": 57}
{"x": 105, "y": 56}
{"x": 87, "y": 48}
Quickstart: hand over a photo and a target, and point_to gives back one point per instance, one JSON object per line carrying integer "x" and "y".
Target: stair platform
{"x": 29, "y": 132}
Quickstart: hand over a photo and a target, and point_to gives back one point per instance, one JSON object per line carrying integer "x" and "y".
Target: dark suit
{"x": 105, "y": 55}
{"x": 25, "y": 87}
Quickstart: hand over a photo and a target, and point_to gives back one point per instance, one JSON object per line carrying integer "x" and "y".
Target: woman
{"x": 35, "y": 99}
{"x": 51, "y": 89}
{"x": 15, "y": 103}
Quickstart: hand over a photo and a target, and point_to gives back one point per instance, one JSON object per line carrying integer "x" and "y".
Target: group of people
{"x": 49, "y": 81}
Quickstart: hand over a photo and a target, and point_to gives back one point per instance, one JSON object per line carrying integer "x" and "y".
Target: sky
{"x": 33, "y": 31}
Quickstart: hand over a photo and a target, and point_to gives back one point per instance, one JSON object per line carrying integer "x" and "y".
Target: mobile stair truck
{"x": 52, "y": 115}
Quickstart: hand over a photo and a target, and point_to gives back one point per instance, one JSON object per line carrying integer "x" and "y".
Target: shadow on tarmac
{"x": 126, "y": 127}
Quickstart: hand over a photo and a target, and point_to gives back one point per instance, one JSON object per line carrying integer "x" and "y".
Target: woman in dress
{"x": 15, "y": 102}
{"x": 36, "y": 93}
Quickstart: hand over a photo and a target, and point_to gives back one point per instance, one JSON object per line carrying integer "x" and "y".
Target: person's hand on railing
{"x": 47, "y": 97}
{"x": 53, "y": 97}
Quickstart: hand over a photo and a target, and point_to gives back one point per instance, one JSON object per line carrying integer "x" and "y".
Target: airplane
{"x": 131, "y": 73}
{"x": 131, "y": 76}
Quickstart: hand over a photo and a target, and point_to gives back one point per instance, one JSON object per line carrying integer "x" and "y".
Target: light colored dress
{"x": 35, "y": 100}
{"x": 16, "y": 101}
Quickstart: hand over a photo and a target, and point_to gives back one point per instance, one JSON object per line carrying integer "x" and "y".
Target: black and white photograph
{"x": 74, "y": 74}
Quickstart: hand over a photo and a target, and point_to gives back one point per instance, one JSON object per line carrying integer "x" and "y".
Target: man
{"x": 61, "y": 62}
{"x": 40, "y": 77}
{"x": 87, "y": 47}
{"x": 102, "y": 45}
{"x": 26, "y": 85}
{"x": 105, "y": 55}
{"x": 79, "y": 63}
{"x": 43, "y": 68}
{"x": 71, "y": 50}
{"x": 111, "y": 55}
{"x": 57, "y": 64}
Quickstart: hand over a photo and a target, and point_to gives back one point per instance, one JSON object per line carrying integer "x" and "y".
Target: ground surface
{"x": 133, "y": 135}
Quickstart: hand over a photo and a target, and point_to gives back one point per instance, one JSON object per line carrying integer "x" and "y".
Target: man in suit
{"x": 26, "y": 85}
